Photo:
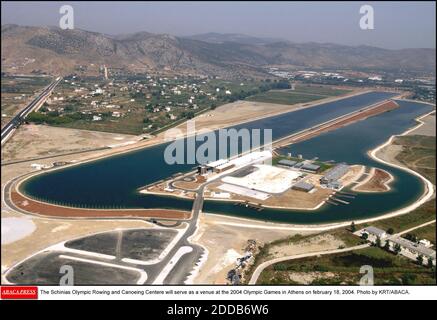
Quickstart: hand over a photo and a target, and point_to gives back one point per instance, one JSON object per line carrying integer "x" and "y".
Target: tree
{"x": 353, "y": 228}
{"x": 390, "y": 231}
{"x": 430, "y": 264}
{"x": 397, "y": 248}
{"x": 419, "y": 259}
{"x": 378, "y": 242}
{"x": 387, "y": 246}
{"x": 365, "y": 236}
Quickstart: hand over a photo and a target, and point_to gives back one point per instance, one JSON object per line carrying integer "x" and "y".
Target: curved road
{"x": 264, "y": 265}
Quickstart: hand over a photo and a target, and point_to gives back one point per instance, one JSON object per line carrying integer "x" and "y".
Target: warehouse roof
{"x": 421, "y": 249}
{"x": 286, "y": 162}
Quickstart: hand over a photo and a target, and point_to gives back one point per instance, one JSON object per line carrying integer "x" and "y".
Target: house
{"x": 116, "y": 114}
{"x": 374, "y": 233}
{"x": 97, "y": 118}
{"x": 411, "y": 249}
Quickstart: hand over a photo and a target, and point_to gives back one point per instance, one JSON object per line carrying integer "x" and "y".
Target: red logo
{"x": 19, "y": 292}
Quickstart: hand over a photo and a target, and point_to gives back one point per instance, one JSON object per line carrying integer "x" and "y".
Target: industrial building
{"x": 307, "y": 166}
{"x": 303, "y": 186}
{"x": 287, "y": 163}
{"x": 222, "y": 165}
{"x": 268, "y": 179}
{"x": 331, "y": 178}
{"x": 310, "y": 167}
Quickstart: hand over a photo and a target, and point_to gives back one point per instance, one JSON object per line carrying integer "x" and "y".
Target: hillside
{"x": 52, "y": 50}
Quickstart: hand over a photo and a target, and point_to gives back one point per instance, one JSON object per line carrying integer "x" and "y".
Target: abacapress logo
{"x": 19, "y": 292}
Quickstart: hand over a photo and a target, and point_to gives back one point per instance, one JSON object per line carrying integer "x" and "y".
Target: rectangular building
{"x": 303, "y": 186}
{"x": 334, "y": 174}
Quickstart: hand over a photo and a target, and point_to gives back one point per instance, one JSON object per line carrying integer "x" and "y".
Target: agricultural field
{"x": 17, "y": 92}
{"x": 284, "y": 97}
{"x": 141, "y": 103}
{"x": 320, "y": 90}
{"x": 344, "y": 269}
{"x": 301, "y": 94}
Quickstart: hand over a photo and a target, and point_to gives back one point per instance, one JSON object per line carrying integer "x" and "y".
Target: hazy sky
{"x": 397, "y": 24}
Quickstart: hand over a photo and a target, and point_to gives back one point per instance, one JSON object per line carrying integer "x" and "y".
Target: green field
{"x": 301, "y": 94}
{"x": 284, "y": 97}
{"x": 421, "y": 215}
{"x": 344, "y": 268}
{"x": 320, "y": 90}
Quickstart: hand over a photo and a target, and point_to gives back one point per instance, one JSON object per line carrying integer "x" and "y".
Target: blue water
{"x": 112, "y": 182}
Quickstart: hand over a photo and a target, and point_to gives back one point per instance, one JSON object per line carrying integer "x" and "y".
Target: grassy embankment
{"x": 419, "y": 154}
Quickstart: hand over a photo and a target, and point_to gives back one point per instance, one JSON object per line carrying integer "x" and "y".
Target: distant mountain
{"x": 214, "y": 37}
{"x": 229, "y": 56}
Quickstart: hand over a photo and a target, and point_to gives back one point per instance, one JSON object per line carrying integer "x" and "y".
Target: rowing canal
{"x": 112, "y": 182}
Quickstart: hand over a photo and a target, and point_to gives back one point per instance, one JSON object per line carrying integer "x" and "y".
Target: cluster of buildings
{"x": 399, "y": 245}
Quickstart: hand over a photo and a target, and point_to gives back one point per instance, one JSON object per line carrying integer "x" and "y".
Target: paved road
{"x": 15, "y": 122}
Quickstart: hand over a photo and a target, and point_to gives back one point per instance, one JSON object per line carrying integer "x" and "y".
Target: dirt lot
{"x": 33, "y": 141}
{"x": 428, "y": 128}
{"x": 232, "y": 240}
{"x": 314, "y": 244}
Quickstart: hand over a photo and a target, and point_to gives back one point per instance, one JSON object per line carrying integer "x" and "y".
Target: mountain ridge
{"x": 58, "y": 51}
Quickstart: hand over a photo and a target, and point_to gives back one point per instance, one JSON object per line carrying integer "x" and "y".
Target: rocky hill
{"x": 53, "y": 50}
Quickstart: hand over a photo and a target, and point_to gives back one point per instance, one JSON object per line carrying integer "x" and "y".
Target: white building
{"x": 411, "y": 249}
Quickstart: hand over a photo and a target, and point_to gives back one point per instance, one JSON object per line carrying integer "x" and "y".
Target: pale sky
{"x": 397, "y": 24}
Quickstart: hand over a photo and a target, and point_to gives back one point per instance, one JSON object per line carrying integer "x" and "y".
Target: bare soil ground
{"x": 428, "y": 128}
{"x": 231, "y": 240}
{"x": 50, "y": 210}
{"x": 33, "y": 141}
{"x": 377, "y": 182}
{"x": 314, "y": 244}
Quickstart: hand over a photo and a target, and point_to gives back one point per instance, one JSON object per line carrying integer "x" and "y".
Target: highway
{"x": 15, "y": 122}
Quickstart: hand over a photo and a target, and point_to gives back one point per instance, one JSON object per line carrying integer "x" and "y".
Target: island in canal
{"x": 263, "y": 179}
